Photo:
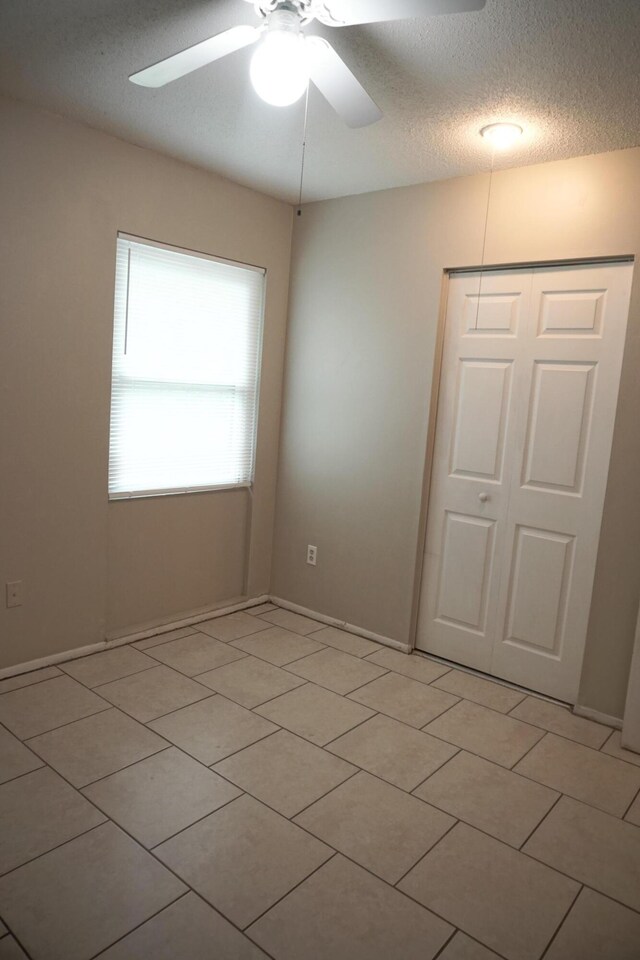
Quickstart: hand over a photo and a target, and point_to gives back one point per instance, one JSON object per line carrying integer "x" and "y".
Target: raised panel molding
{"x": 482, "y": 403}
{"x": 467, "y": 555}
{"x": 571, "y": 313}
{"x": 559, "y": 423}
{"x": 491, "y": 314}
{"x": 538, "y": 590}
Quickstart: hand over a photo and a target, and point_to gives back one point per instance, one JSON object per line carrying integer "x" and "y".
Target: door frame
{"x": 434, "y": 397}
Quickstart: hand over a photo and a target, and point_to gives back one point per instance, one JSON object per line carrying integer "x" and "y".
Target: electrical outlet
{"x": 15, "y": 593}
{"x": 312, "y": 555}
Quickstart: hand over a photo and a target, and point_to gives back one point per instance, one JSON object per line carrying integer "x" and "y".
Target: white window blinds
{"x": 186, "y": 356}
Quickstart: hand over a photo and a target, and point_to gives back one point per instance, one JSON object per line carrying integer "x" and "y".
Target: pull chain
{"x": 484, "y": 237}
{"x": 304, "y": 149}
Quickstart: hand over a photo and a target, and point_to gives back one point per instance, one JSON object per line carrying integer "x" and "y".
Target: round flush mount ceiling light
{"x": 279, "y": 70}
{"x": 501, "y": 136}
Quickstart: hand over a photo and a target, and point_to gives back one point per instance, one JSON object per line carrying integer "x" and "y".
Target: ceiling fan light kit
{"x": 279, "y": 68}
{"x": 287, "y": 58}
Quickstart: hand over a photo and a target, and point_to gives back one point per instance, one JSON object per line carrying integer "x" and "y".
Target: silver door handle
{"x": 483, "y": 497}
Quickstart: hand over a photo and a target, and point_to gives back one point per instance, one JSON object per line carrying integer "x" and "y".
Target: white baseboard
{"x": 341, "y": 624}
{"x": 112, "y": 642}
{"x": 589, "y": 714}
{"x": 221, "y": 611}
{"x": 188, "y": 621}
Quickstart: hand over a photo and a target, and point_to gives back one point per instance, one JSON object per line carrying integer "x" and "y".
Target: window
{"x": 186, "y": 357}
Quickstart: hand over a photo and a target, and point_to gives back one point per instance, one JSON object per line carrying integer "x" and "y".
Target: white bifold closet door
{"x": 529, "y": 386}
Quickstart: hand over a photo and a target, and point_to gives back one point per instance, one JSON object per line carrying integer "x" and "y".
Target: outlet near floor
{"x": 312, "y": 554}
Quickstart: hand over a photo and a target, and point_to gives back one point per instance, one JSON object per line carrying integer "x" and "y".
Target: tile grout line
{"x": 401, "y": 676}
{"x": 204, "y": 816}
{"x": 492, "y": 836}
{"x": 367, "y": 683}
{"x": 233, "y": 753}
{"x": 10, "y": 933}
{"x": 541, "y": 821}
{"x": 33, "y": 683}
{"x": 379, "y": 775}
{"x": 610, "y": 737}
{"x": 588, "y": 886}
{"x": 190, "y": 676}
{"x": 58, "y": 846}
{"x": 385, "y": 649}
{"x": 530, "y": 856}
{"x": 105, "y": 776}
{"x": 322, "y": 796}
{"x": 459, "y": 700}
{"x": 105, "y": 683}
{"x": 446, "y": 944}
{"x": 67, "y": 723}
{"x": 281, "y": 666}
{"x": 360, "y": 723}
{"x": 262, "y": 702}
{"x": 426, "y": 853}
{"x": 445, "y": 763}
{"x": 515, "y": 763}
{"x": 562, "y": 922}
{"x": 26, "y": 773}
{"x": 487, "y": 677}
{"x": 587, "y": 803}
{"x": 209, "y": 694}
{"x": 271, "y": 699}
{"x": 202, "y": 633}
{"x": 280, "y": 899}
{"x": 626, "y": 813}
{"x": 318, "y": 683}
{"x": 189, "y": 889}
{"x": 96, "y": 956}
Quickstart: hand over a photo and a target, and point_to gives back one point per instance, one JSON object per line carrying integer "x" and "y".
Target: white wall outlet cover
{"x": 15, "y": 593}
{"x": 312, "y": 555}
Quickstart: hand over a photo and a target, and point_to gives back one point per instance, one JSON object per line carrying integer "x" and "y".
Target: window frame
{"x": 178, "y": 384}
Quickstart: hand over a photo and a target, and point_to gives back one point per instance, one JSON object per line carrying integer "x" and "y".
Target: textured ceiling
{"x": 567, "y": 70}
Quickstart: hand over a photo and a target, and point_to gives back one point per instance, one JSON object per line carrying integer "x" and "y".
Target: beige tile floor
{"x": 262, "y": 785}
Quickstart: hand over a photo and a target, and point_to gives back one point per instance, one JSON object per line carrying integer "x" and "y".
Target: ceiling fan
{"x": 286, "y": 58}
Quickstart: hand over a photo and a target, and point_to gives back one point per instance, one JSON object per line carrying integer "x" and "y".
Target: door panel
{"x": 491, "y": 314}
{"x": 530, "y": 373}
{"x": 482, "y": 402}
{"x": 571, "y": 312}
{"x": 536, "y": 605}
{"x": 467, "y": 513}
{"x": 560, "y": 415}
{"x": 467, "y": 550}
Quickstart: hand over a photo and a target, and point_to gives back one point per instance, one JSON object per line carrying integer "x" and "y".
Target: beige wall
{"x": 91, "y": 568}
{"x": 365, "y": 291}
{"x": 364, "y": 303}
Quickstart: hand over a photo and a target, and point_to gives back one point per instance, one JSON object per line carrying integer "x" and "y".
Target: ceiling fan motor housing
{"x": 285, "y": 19}
{"x": 300, "y": 9}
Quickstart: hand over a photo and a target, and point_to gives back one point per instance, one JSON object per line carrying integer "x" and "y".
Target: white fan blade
{"x": 197, "y": 56}
{"x": 338, "y": 85}
{"x": 338, "y": 13}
